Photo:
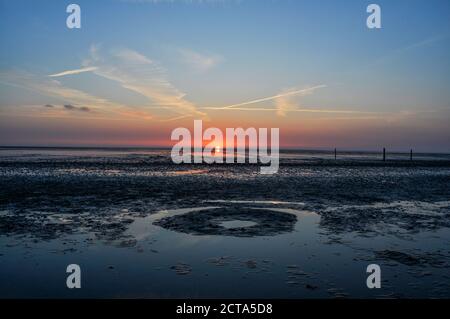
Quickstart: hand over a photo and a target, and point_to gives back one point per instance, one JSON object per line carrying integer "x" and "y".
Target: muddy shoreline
{"x": 104, "y": 187}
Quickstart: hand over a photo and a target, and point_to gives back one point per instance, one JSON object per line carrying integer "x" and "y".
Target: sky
{"x": 137, "y": 69}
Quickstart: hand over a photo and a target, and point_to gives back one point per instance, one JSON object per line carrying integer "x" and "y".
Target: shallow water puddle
{"x": 237, "y": 221}
{"x": 267, "y": 251}
{"x": 268, "y": 202}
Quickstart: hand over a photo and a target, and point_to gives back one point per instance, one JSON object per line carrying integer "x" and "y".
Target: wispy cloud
{"x": 288, "y": 102}
{"x": 129, "y": 56}
{"x": 399, "y": 52}
{"x": 199, "y": 61}
{"x": 138, "y": 73}
{"x": 54, "y": 89}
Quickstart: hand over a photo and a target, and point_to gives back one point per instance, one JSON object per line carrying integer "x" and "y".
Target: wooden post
{"x": 384, "y": 154}
{"x": 410, "y": 155}
{"x": 335, "y": 153}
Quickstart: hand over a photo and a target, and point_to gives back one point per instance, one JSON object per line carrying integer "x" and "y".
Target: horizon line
{"x": 286, "y": 148}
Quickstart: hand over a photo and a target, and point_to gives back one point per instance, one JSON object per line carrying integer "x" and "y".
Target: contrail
{"x": 293, "y": 110}
{"x": 269, "y": 98}
{"x": 176, "y": 118}
{"x": 69, "y": 72}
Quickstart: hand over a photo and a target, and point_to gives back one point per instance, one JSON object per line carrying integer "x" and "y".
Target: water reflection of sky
{"x": 305, "y": 263}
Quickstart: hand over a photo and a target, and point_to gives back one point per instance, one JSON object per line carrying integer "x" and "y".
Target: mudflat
{"x": 140, "y": 226}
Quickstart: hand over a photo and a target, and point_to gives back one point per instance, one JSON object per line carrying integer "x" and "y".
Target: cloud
{"x": 198, "y": 61}
{"x": 70, "y": 72}
{"x": 49, "y": 105}
{"x": 71, "y": 107}
{"x": 131, "y": 56}
{"x": 54, "y": 89}
{"x": 285, "y": 102}
{"x": 138, "y": 73}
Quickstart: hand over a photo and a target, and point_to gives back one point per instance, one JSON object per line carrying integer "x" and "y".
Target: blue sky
{"x": 199, "y": 55}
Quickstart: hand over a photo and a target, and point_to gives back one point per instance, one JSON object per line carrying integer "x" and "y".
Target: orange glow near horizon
{"x": 295, "y": 131}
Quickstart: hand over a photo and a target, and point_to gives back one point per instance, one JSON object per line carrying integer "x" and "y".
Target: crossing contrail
{"x": 307, "y": 90}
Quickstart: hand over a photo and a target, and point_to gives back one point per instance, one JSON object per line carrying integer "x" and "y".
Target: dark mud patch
{"x": 397, "y": 218}
{"x": 433, "y": 260}
{"x": 182, "y": 269}
{"x": 210, "y": 222}
{"x": 105, "y": 225}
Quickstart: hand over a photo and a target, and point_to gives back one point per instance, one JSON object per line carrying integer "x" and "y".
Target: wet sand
{"x": 140, "y": 226}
